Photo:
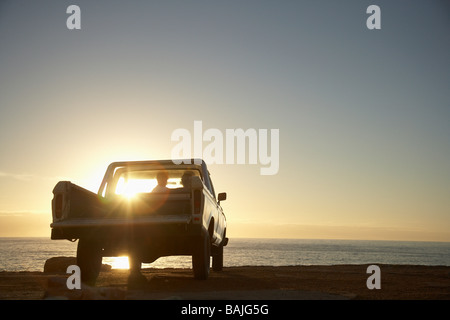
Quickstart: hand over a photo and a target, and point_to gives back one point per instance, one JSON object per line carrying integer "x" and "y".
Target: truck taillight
{"x": 58, "y": 206}
{"x": 197, "y": 201}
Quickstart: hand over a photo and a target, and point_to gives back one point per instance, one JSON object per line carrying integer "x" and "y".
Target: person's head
{"x": 162, "y": 178}
{"x": 186, "y": 178}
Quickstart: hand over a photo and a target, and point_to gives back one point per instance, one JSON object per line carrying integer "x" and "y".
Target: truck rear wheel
{"x": 201, "y": 257}
{"x": 89, "y": 259}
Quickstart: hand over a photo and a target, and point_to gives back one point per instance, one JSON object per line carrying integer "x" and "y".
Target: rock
{"x": 60, "y": 264}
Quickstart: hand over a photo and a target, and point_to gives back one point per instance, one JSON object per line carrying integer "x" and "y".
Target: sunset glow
{"x": 359, "y": 117}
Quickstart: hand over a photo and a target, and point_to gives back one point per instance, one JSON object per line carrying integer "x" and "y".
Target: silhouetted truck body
{"x": 130, "y": 215}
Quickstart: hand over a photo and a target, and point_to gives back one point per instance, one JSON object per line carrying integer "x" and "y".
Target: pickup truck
{"x": 145, "y": 210}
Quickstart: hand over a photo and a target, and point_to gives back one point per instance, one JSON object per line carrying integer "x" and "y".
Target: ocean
{"x": 30, "y": 254}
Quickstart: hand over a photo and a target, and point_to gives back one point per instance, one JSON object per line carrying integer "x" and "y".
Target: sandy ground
{"x": 398, "y": 282}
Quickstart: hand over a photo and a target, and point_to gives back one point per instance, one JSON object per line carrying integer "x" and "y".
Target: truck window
{"x": 212, "y": 187}
{"x": 131, "y": 182}
{"x": 209, "y": 184}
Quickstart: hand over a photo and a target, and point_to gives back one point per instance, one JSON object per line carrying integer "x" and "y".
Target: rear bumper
{"x": 99, "y": 222}
{"x": 107, "y": 228}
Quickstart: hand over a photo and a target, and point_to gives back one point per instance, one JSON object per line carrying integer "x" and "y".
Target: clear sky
{"x": 363, "y": 115}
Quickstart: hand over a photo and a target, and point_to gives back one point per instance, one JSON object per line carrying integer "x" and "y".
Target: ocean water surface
{"x": 30, "y": 254}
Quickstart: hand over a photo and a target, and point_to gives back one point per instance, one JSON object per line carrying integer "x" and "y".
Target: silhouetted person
{"x": 186, "y": 179}
{"x": 162, "y": 178}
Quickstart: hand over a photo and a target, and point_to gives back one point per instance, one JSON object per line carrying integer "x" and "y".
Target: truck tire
{"x": 201, "y": 257}
{"x": 217, "y": 259}
{"x": 89, "y": 259}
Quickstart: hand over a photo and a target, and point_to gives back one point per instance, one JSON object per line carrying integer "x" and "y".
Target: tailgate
{"x": 111, "y": 222}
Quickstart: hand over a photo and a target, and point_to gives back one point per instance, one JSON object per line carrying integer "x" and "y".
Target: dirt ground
{"x": 339, "y": 282}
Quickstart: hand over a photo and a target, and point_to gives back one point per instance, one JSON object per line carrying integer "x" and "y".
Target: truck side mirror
{"x": 222, "y": 196}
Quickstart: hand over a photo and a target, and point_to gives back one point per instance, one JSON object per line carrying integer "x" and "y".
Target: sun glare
{"x": 132, "y": 187}
{"x": 117, "y": 262}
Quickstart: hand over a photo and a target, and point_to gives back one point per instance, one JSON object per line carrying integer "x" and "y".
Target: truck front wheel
{"x": 201, "y": 257}
{"x": 89, "y": 259}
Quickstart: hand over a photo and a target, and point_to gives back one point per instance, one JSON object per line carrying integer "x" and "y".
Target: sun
{"x": 118, "y": 262}
{"x": 130, "y": 188}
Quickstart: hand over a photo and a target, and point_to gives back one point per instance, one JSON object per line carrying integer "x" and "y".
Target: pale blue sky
{"x": 363, "y": 115}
